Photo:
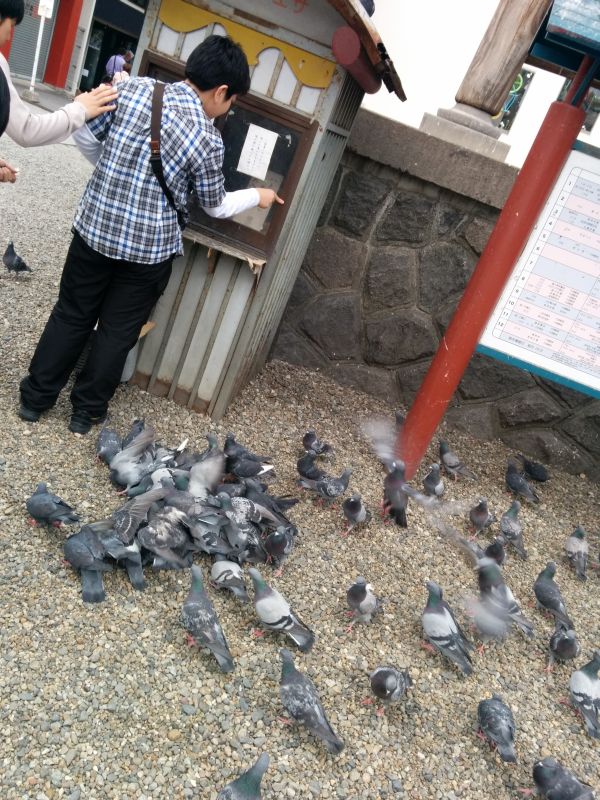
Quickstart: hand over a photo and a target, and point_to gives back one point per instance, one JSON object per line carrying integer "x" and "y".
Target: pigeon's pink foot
{"x": 278, "y": 573}
{"x": 256, "y": 633}
{"x": 427, "y": 646}
{"x": 380, "y": 712}
{"x": 31, "y": 521}
{"x": 549, "y": 668}
{"x": 284, "y": 720}
{"x": 56, "y": 524}
{"x": 481, "y": 649}
{"x": 366, "y": 701}
{"x": 345, "y": 533}
{"x": 565, "y": 701}
{"x": 189, "y": 640}
{"x": 349, "y": 613}
{"x": 526, "y": 792}
{"x": 480, "y": 735}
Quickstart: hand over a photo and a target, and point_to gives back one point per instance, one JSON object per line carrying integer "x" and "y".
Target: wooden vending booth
{"x": 219, "y": 314}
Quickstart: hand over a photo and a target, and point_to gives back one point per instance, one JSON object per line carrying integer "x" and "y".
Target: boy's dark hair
{"x": 12, "y": 9}
{"x": 218, "y": 61}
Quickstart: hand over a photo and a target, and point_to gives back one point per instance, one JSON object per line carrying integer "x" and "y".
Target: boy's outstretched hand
{"x": 8, "y": 174}
{"x": 268, "y": 197}
{"x": 98, "y": 101}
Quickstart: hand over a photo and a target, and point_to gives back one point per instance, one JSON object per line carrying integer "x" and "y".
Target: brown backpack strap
{"x": 155, "y": 159}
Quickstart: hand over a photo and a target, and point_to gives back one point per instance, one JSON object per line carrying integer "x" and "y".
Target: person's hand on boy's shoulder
{"x": 268, "y": 197}
{"x": 98, "y": 101}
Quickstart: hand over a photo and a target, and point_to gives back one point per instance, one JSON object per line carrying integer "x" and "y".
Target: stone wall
{"x": 405, "y": 221}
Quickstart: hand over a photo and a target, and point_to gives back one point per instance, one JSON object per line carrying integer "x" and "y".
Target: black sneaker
{"x": 81, "y": 421}
{"x": 28, "y": 414}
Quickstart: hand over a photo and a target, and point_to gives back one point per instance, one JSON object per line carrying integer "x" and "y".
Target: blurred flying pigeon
{"x": 563, "y": 645}
{"x": 225, "y": 574}
{"x": 498, "y": 597}
{"x": 137, "y": 426}
{"x": 443, "y": 631}
{"x": 548, "y": 594}
{"x": 497, "y": 724}
{"x": 480, "y": 516}
{"x": 433, "y": 482}
{"x": 275, "y": 613}
{"x": 85, "y": 552}
{"x": 584, "y": 688}
{"x": 13, "y": 261}
{"x": 395, "y": 498}
{"x": 491, "y": 625}
{"x": 136, "y": 460}
{"x": 577, "y": 550}
{"x": 511, "y": 529}
{"x": 533, "y": 469}
{"x": 247, "y": 786}
{"x": 127, "y": 519}
{"x": 307, "y": 468}
{"x": 452, "y": 464}
{"x": 555, "y": 782}
{"x": 48, "y": 509}
{"x": 355, "y": 512}
{"x": 517, "y": 484}
{"x": 300, "y": 699}
{"x": 362, "y": 601}
{"x": 310, "y": 441}
{"x": 327, "y": 488}
{"x": 200, "y": 621}
{"x": 390, "y": 684}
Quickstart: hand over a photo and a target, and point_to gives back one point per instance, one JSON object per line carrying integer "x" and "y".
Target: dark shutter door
{"x": 25, "y": 38}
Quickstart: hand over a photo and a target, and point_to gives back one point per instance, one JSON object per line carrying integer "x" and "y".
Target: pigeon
{"x": 200, "y": 621}
{"x": 490, "y": 624}
{"x": 517, "y": 484}
{"x": 494, "y": 550}
{"x": 137, "y": 426}
{"x": 206, "y": 473}
{"x": 390, "y": 684}
{"x": 498, "y": 597}
{"x": 165, "y": 535}
{"x": 511, "y": 529}
{"x": 355, "y": 512}
{"x": 300, "y": 699}
{"x": 127, "y": 555}
{"x": 498, "y": 726}
{"x": 275, "y": 613}
{"x": 452, "y": 464}
{"x": 480, "y": 516}
{"x": 127, "y": 519}
{"x": 584, "y": 687}
{"x": 362, "y": 601}
{"x": 577, "y": 550}
{"x": 278, "y": 545}
{"x": 555, "y": 782}
{"x": 13, "y": 261}
{"x": 135, "y": 461}
{"x": 433, "y": 482}
{"x": 225, "y": 574}
{"x": 563, "y": 645}
{"x": 234, "y": 450}
{"x": 48, "y": 509}
{"x": 533, "y": 469}
{"x": 395, "y": 498}
{"x": 85, "y": 552}
{"x": 108, "y": 444}
{"x": 548, "y": 594}
{"x": 307, "y": 468}
{"x": 247, "y": 786}
{"x": 327, "y": 488}
{"x": 310, "y": 441}
{"x": 443, "y": 632}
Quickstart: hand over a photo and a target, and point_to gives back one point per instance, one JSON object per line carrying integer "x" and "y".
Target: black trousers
{"x": 119, "y": 296}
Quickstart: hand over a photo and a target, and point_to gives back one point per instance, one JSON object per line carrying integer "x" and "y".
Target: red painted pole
{"x": 515, "y": 223}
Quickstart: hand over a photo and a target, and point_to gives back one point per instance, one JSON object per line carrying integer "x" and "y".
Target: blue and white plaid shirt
{"x": 124, "y": 213}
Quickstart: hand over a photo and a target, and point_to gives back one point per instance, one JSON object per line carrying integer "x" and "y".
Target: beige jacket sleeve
{"x": 29, "y": 130}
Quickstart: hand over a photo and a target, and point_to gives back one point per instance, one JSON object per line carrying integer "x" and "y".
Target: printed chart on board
{"x": 548, "y": 317}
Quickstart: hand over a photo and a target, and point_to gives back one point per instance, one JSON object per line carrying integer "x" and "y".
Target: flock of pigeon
{"x": 181, "y": 503}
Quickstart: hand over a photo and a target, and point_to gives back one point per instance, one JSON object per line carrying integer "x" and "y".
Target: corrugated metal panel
{"x": 346, "y": 107}
{"x": 22, "y": 51}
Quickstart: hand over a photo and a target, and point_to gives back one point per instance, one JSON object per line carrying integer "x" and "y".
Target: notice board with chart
{"x": 548, "y": 317}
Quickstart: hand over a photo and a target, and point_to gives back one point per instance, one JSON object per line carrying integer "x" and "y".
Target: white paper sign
{"x": 45, "y": 8}
{"x": 257, "y": 151}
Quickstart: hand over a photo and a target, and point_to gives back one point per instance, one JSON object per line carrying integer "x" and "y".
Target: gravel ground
{"x": 108, "y": 702}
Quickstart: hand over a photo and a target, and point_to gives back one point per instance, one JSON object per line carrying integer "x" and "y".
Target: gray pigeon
{"x": 206, "y": 473}
{"x": 512, "y": 530}
{"x": 310, "y": 441}
{"x": 85, "y": 552}
{"x": 13, "y": 261}
{"x": 452, "y": 464}
{"x": 127, "y": 519}
{"x": 200, "y": 621}
{"x": 355, "y": 512}
{"x": 490, "y": 624}
{"x": 517, "y": 484}
{"x": 362, "y": 601}
{"x": 389, "y": 684}
{"x": 48, "y": 509}
{"x": 555, "y": 782}
{"x": 247, "y": 786}
{"x": 395, "y": 498}
{"x": 533, "y": 469}
{"x": 327, "y": 488}
{"x": 166, "y": 536}
{"x": 128, "y": 555}
{"x": 300, "y": 699}
{"x": 433, "y": 482}
{"x": 307, "y": 468}
{"x": 563, "y": 645}
{"x": 548, "y": 594}
{"x": 225, "y": 574}
{"x": 108, "y": 444}
{"x": 480, "y": 516}
{"x": 498, "y": 726}
{"x": 577, "y": 550}
{"x": 135, "y": 461}
{"x": 498, "y": 597}
{"x": 584, "y": 688}
{"x": 278, "y": 544}
{"x": 443, "y": 632}
{"x": 275, "y": 613}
